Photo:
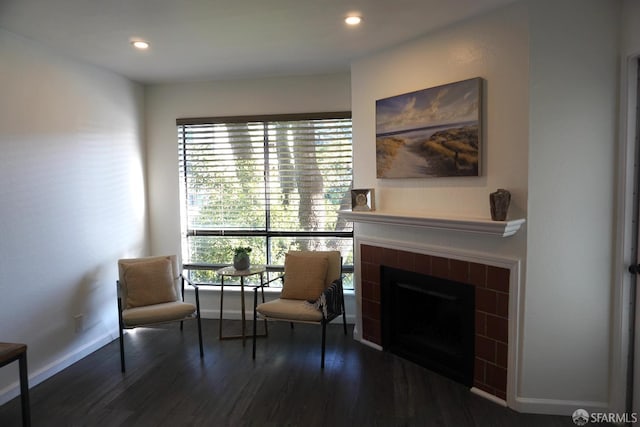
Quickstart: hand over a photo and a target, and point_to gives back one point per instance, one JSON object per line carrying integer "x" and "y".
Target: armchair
{"x": 151, "y": 292}
{"x": 311, "y": 293}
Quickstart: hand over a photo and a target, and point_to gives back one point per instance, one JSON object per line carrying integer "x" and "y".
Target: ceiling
{"x": 224, "y": 39}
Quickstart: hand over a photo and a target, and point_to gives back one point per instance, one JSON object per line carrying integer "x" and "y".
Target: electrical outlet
{"x": 79, "y": 322}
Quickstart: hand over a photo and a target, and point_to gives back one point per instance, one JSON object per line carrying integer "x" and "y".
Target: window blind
{"x": 274, "y": 183}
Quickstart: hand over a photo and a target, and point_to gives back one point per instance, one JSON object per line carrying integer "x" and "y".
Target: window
{"x": 274, "y": 183}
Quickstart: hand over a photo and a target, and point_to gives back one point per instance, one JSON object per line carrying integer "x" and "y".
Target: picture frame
{"x": 363, "y": 200}
{"x": 433, "y": 132}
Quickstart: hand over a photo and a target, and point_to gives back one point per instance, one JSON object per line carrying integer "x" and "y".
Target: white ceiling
{"x": 223, "y": 39}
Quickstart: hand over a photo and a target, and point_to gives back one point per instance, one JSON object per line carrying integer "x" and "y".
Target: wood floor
{"x": 167, "y": 384}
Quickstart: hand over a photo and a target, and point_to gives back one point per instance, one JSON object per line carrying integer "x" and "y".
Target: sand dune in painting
{"x": 448, "y": 152}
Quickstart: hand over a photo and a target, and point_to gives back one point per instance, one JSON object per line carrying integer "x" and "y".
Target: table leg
{"x": 266, "y": 330}
{"x": 242, "y": 305}
{"x": 221, "y": 297}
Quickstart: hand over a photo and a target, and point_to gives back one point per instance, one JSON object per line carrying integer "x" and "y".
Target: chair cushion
{"x": 335, "y": 263}
{"x": 157, "y": 313}
{"x": 304, "y": 276}
{"x": 149, "y": 282}
{"x": 290, "y": 309}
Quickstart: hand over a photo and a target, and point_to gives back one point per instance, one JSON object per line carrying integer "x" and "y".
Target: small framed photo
{"x": 363, "y": 200}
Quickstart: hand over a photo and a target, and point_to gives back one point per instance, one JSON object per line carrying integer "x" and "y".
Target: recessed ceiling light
{"x": 140, "y": 44}
{"x": 353, "y": 20}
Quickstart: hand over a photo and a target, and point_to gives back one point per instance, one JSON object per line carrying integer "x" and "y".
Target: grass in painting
{"x": 454, "y": 149}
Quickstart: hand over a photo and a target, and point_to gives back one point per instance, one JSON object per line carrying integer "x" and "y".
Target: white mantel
{"x": 460, "y": 224}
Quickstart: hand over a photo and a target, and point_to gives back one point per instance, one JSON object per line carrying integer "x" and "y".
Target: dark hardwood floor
{"x": 167, "y": 384}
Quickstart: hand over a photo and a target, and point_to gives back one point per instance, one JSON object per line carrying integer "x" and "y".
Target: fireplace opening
{"x": 429, "y": 321}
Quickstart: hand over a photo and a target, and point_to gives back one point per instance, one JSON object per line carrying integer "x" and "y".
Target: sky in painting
{"x": 441, "y": 105}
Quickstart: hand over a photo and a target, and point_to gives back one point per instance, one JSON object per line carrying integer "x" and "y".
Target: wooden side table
{"x": 232, "y": 272}
{"x": 10, "y": 352}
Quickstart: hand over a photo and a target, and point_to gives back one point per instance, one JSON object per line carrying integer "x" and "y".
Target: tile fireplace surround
{"x": 492, "y": 305}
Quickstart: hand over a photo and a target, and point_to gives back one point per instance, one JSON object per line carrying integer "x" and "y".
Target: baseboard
{"x": 557, "y": 407}
{"x": 371, "y": 344}
{"x": 488, "y": 396}
{"x": 13, "y": 390}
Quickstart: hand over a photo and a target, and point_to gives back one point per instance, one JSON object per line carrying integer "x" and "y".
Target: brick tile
{"x": 496, "y": 377}
{"x": 371, "y": 330}
{"x": 486, "y": 300}
{"x": 375, "y": 288}
{"x": 459, "y": 270}
{"x": 368, "y": 329}
{"x": 371, "y": 309}
{"x": 484, "y": 387}
{"x": 406, "y": 260}
{"x": 366, "y": 253}
{"x": 389, "y": 257}
{"x": 502, "y": 308}
{"x": 479, "y": 370}
{"x": 497, "y": 328}
{"x": 371, "y": 272}
{"x": 502, "y": 354}
{"x": 481, "y": 323}
{"x": 440, "y": 267}
{"x": 478, "y": 274}
{"x": 367, "y": 290}
{"x": 498, "y": 279}
{"x": 423, "y": 264}
{"x": 377, "y": 255}
{"x": 486, "y": 349}
{"x": 366, "y": 268}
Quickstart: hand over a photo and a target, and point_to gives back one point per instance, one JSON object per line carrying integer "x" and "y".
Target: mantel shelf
{"x": 468, "y": 225}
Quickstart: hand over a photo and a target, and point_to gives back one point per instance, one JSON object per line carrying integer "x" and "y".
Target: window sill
{"x": 213, "y": 287}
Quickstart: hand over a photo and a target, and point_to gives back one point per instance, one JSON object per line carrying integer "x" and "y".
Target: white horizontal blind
{"x": 222, "y": 170}
{"x": 310, "y": 173}
{"x": 272, "y": 183}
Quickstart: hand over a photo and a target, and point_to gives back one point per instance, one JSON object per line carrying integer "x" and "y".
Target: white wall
{"x": 73, "y": 202}
{"x": 165, "y": 103}
{"x": 572, "y": 147}
{"x": 630, "y": 30}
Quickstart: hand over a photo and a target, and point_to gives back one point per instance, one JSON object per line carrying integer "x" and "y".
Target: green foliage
{"x": 241, "y": 250}
{"x": 458, "y": 146}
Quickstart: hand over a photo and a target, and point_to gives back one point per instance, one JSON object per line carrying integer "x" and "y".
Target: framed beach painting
{"x": 433, "y": 132}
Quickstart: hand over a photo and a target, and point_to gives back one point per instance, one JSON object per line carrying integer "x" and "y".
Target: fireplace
{"x": 429, "y": 321}
{"x": 491, "y": 285}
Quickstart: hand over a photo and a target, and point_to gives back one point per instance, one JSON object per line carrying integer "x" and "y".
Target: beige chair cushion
{"x": 290, "y": 309}
{"x": 157, "y": 313}
{"x": 335, "y": 263}
{"x": 149, "y": 282}
{"x": 304, "y": 276}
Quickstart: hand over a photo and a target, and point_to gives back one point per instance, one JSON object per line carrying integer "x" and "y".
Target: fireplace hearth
{"x": 430, "y": 321}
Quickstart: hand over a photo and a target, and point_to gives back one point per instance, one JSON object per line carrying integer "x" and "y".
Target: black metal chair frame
{"x": 323, "y": 322}
{"x": 196, "y": 317}
{"x": 20, "y": 354}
